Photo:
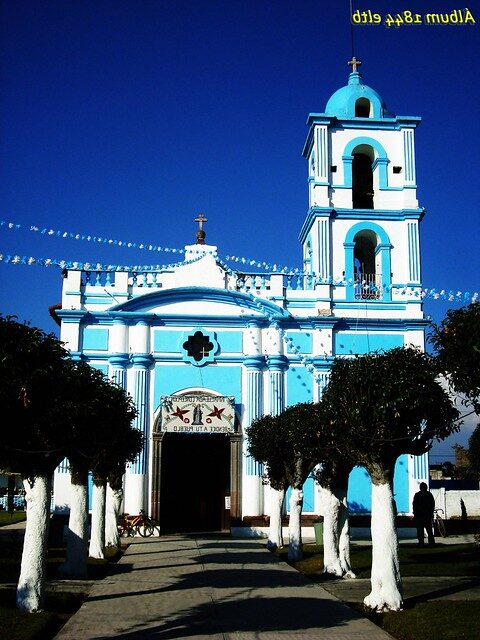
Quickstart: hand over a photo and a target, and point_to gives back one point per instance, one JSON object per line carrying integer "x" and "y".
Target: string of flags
{"x": 424, "y": 293}
{"x": 69, "y": 235}
{"x": 91, "y": 266}
{"x": 57, "y": 233}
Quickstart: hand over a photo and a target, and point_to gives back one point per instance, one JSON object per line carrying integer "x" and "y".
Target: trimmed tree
{"x": 113, "y": 503}
{"x": 267, "y": 445}
{"x": 290, "y": 447}
{"x": 332, "y": 476}
{"x": 457, "y": 345}
{"x": 389, "y": 404}
{"x": 333, "y": 480}
{"x": 88, "y": 438}
{"x": 123, "y": 444}
{"x": 108, "y": 440}
{"x": 35, "y": 377}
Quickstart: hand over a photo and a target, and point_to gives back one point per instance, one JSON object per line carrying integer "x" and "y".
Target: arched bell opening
{"x": 363, "y": 108}
{"x": 366, "y": 266}
{"x": 362, "y": 178}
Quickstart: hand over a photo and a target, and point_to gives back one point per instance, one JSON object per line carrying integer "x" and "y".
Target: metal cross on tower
{"x": 201, "y": 233}
{"x": 354, "y": 63}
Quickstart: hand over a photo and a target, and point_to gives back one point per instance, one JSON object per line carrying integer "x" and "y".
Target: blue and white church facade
{"x": 204, "y": 349}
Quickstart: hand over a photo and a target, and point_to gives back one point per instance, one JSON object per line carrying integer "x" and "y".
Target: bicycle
{"x": 131, "y": 525}
{"x": 439, "y": 523}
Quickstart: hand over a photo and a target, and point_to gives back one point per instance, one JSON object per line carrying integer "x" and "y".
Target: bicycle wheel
{"x": 441, "y": 526}
{"x": 145, "y": 530}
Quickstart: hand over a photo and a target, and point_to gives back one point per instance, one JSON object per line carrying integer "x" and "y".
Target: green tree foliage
{"x": 101, "y": 416}
{"x": 34, "y": 378}
{"x": 457, "y": 344}
{"x": 287, "y": 444}
{"x": 266, "y": 444}
{"x": 474, "y": 453}
{"x": 387, "y": 404}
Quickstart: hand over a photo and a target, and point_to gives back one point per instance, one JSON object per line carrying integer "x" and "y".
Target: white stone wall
{"x": 450, "y": 502}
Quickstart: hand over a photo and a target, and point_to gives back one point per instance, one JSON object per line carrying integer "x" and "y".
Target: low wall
{"x": 458, "y": 503}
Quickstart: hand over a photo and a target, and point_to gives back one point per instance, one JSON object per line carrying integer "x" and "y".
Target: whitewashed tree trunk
{"x": 386, "y": 593}
{"x": 275, "y": 535}
{"x": 31, "y": 584}
{"x": 344, "y": 543}
{"x": 112, "y": 511}
{"x": 295, "y": 547}
{"x": 75, "y": 565}
{"x": 336, "y": 533}
{"x": 97, "y": 532}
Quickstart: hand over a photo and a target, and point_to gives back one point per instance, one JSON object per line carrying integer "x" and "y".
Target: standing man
{"x": 423, "y": 507}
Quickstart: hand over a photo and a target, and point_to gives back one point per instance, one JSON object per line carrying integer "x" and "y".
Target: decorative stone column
{"x": 137, "y": 472}
{"x": 277, "y": 365}
{"x": 252, "y": 494}
{"x": 118, "y": 348}
{"x": 118, "y": 368}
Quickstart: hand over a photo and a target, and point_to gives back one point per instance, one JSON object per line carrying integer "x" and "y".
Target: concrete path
{"x": 213, "y": 587}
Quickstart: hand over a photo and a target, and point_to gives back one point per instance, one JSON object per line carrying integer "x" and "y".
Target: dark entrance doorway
{"x": 195, "y": 478}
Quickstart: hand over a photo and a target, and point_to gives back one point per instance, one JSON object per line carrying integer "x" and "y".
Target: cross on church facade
{"x": 201, "y": 232}
{"x": 354, "y": 63}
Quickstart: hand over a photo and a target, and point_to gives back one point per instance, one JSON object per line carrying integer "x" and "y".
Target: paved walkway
{"x": 211, "y": 587}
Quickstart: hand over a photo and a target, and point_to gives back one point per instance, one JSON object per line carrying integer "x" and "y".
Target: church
{"x": 205, "y": 349}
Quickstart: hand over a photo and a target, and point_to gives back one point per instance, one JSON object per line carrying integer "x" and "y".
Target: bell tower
{"x": 361, "y": 236}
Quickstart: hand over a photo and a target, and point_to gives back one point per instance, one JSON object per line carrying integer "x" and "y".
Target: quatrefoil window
{"x": 199, "y": 347}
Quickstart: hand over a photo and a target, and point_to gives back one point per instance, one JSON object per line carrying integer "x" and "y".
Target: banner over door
{"x": 198, "y": 414}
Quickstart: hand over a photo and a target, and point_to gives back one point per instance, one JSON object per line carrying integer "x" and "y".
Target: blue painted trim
{"x": 356, "y": 214}
{"x": 142, "y": 360}
{"x": 301, "y": 304}
{"x": 371, "y": 304}
{"x": 367, "y": 226}
{"x": 119, "y": 359}
{"x": 380, "y": 162}
{"x": 72, "y": 315}
{"x": 277, "y": 363}
{"x": 95, "y": 339}
{"x": 356, "y": 343}
{"x": 97, "y": 299}
{"x": 379, "y": 324}
{"x": 197, "y": 294}
{"x": 254, "y": 362}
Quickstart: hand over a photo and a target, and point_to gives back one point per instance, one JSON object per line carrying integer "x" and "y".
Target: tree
{"x": 105, "y": 439}
{"x": 43, "y": 393}
{"x": 333, "y": 480}
{"x": 34, "y": 385}
{"x": 389, "y": 404}
{"x": 473, "y": 453}
{"x": 87, "y": 439}
{"x": 266, "y": 444}
{"x": 122, "y": 445}
{"x": 457, "y": 345}
{"x": 289, "y": 448}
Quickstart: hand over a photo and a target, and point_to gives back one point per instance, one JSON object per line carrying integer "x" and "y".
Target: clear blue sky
{"x": 124, "y": 118}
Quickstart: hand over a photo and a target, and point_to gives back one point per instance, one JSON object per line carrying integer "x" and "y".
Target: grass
{"x": 59, "y": 605}
{"x": 445, "y": 619}
{"x": 7, "y": 518}
{"x": 440, "y": 560}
